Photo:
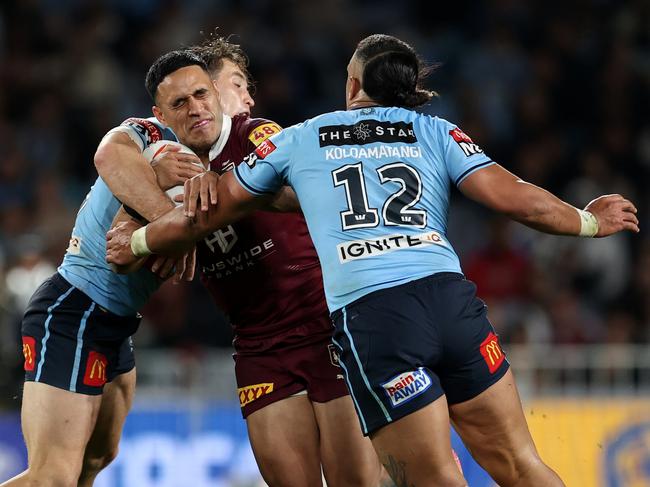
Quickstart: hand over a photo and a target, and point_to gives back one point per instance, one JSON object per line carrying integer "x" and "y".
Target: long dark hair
{"x": 392, "y": 72}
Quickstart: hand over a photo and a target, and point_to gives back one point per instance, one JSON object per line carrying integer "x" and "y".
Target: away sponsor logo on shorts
{"x": 406, "y": 386}
{"x": 366, "y": 132}
{"x": 264, "y": 149}
{"x": 492, "y": 353}
{"x": 466, "y": 144}
{"x": 95, "y": 375}
{"x": 250, "y": 393}
{"x": 263, "y": 132}
{"x": 29, "y": 352}
{"x": 362, "y": 249}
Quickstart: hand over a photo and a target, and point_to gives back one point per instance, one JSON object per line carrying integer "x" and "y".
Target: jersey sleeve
{"x": 143, "y": 131}
{"x": 259, "y": 130}
{"x": 461, "y": 155}
{"x": 267, "y": 168}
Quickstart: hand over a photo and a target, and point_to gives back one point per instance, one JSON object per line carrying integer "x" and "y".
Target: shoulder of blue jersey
{"x": 149, "y": 130}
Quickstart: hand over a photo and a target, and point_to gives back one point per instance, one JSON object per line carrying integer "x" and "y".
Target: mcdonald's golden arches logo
{"x": 95, "y": 369}
{"x": 492, "y": 353}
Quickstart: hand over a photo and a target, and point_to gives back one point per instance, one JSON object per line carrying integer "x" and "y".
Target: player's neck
{"x": 362, "y": 103}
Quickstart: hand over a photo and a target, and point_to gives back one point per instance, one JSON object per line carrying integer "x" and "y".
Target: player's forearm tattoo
{"x": 397, "y": 471}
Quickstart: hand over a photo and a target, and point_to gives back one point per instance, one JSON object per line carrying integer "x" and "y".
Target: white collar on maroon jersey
{"x": 218, "y": 146}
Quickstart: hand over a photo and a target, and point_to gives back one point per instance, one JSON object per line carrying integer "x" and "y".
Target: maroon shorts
{"x": 268, "y": 377}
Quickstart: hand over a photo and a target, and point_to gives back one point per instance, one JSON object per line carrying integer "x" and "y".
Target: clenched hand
{"x": 614, "y": 214}
{"x": 118, "y": 243}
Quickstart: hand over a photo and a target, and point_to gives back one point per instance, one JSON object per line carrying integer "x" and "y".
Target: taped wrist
{"x": 588, "y": 223}
{"x": 139, "y": 242}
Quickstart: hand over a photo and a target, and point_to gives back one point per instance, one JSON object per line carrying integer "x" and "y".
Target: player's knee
{"x": 519, "y": 468}
{"x": 533, "y": 471}
{"x": 94, "y": 463}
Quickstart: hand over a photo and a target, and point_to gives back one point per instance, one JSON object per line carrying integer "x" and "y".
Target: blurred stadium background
{"x": 557, "y": 92}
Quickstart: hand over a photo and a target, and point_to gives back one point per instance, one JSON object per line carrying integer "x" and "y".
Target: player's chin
{"x": 200, "y": 140}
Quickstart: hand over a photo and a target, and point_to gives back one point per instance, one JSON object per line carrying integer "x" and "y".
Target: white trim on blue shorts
{"x": 80, "y": 343}
{"x": 354, "y": 399}
{"x": 363, "y": 375}
{"x": 47, "y": 332}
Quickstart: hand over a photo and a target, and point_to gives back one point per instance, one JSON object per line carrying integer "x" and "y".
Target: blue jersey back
{"x": 84, "y": 265}
{"x": 374, "y": 185}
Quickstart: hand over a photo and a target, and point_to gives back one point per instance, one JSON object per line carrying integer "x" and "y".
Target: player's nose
{"x": 248, "y": 100}
{"x": 193, "y": 106}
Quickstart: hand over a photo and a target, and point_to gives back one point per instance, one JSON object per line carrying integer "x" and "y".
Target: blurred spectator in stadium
{"x": 508, "y": 282}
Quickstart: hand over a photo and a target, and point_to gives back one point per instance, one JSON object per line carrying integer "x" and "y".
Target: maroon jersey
{"x": 263, "y": 270}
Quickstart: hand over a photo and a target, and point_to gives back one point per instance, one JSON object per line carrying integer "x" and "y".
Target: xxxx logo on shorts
{"x": 95, "y": 375}
{"x": 492, "y": 353}
{"x": 406, "y": 386}
{"x": 29, "y": 352}
{"x": 249, "y": 393}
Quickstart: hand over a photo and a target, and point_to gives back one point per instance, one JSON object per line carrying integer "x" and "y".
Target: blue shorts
{"x": 403, "y": 347}
{"x": 72, "y": 343}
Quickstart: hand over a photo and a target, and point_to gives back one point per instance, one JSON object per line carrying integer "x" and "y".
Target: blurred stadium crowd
{"x": 557, "y": 92}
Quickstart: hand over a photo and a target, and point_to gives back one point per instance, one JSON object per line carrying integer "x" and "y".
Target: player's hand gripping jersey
{"x": 377, "y": 181}
{"x": 84, "y": 265}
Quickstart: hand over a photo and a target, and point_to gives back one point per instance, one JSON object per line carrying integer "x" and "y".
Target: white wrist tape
{"x": 588, "y": 224}
{"x": 139, "y": 242}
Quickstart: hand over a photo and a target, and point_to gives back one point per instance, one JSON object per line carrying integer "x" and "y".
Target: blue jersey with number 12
{"x": 374, "y": 185}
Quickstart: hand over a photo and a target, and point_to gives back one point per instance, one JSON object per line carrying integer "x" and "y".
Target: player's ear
{"x": 157, "y": 112}
{"x": 354, "y": 87}
{"x": 216, "y": 88}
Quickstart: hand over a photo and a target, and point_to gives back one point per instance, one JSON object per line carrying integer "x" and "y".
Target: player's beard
{"x": 202, "y": 149}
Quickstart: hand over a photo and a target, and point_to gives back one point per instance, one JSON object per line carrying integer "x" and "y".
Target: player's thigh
{"x": 285, "y": 440}
{"x": 57, "y": 424}
{"x": 348, "y": 457}
{"x": 116, "y": 404}
{"x": 492, "y": 425}
{"x": 416, "y": 449}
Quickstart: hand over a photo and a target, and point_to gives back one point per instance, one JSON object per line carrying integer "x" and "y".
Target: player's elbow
{"x": 104, "y": 157}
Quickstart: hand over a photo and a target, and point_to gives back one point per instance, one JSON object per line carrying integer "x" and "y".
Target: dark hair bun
{"x": 391, "y": 78}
